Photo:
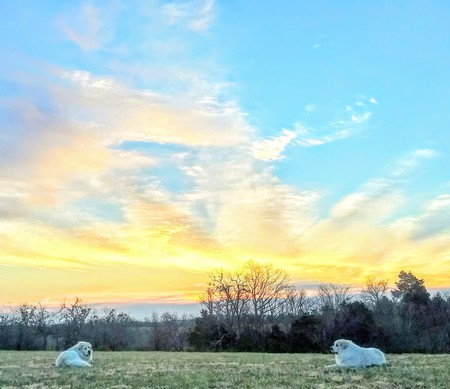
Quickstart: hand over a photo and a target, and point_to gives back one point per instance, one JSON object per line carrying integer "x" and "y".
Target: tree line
{"x": 256, "y": 308}
{"x": 37, "y": 327}
{"x": 253, "y": 308}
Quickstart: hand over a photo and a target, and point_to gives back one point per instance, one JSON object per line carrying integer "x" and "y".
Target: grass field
{"x": 29, "y": 369}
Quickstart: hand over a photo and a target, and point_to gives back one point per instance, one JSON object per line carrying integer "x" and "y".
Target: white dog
{"x": 77, "y": 356}
{"x": 348, "y": 354}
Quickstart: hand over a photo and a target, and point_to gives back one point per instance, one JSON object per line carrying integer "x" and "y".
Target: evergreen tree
{"x": 410, "y": 289}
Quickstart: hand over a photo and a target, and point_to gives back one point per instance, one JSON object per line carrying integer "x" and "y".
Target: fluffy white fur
{"x": 78, "y": 356}
{"x": 348, "y": 354}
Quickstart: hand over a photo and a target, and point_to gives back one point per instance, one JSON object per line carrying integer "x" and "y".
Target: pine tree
{"x": 410, "y": 289}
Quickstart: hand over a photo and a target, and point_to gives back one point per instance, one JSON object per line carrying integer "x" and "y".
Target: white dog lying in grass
{"x": 77, "y": 356}
{"x": 348, "y": 354}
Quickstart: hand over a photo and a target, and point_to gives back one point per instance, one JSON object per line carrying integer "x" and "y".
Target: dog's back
{"x": 69, "y": 358}
{"x": 61, "y": 361}
{"x": 378, "y": 356}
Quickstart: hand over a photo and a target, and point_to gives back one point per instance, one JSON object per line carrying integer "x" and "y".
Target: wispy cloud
{"x": 358, "y": 237}
{"x": 142, "y": 115}
{"x": 305, "y": 138}
{"x": 84, "y": 27}
{"x": 433, "y": 220}
{"x": 350, "y": 122}
{"x": 196, "y": 15}
{"x": 305, "y": 135}
{"x": 376, "y": 201}
{"x": 246, "y": 208}
{"x": 271, "y": 149}
{"x": 322, "y": 41}
{"x": 412, "y": 160}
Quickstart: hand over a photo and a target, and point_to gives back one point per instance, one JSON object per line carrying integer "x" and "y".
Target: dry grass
{"x": 219, "y": 370}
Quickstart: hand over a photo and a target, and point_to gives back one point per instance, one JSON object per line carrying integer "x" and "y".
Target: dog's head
{"x": 85, "y": 349}
{"x": 340, "y": 345}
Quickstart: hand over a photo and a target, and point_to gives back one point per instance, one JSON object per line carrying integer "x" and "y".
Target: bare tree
{"x": 6, "y": 329}
{"x": 331, "y": 296}
{"x": 170, "y": 326}
{"x": 208, "y": 299}
{"x": 255, "y": 291}
{"x": 169, "y": 332}
{"x": 374, "y": 291}
{"x": 267, "y": 288}
{"x": 25, "y": 315}
{"x": 42, "y": 322}
{"x": 111, "y": 329}
{"x": 74, "y": 316}
{"x": 228, "y": 297}
{"x": 297, "y": 303}
{"x": 155, "y": 340}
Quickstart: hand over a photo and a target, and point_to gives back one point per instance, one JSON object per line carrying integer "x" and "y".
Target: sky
{"x": 144, "y": 144}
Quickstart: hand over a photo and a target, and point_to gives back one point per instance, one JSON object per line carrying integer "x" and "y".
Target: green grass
{"x": 29, "y": 369}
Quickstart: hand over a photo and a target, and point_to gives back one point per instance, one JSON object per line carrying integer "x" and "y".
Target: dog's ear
{"x": 344, "y": 344}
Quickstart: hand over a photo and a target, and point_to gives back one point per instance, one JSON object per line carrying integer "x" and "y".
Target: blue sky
{"x": 173, "y": 137}
{"x": 333, "y": 56}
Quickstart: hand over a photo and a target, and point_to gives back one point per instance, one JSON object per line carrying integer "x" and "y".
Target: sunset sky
{"x": 144, "y": 143}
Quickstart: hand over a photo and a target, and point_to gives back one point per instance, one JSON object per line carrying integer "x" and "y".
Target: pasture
{"x": 35, "y": 369}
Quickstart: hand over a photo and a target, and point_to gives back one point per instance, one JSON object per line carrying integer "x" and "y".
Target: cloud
{"x": 272, "y": 148}
{"x": 244, "y": 206}
{"x": 147, "y": 116}
{"x": 306, "y": 140}
{"x": 322, "y": 41}
{"x": 53, "y": 151}
{"x": 196, "y": 15}
{"x": 433, "y": 221}
{"x": 358, "y": 119}
{"x": 345, "y": 125}
{"x": 84, "y": 28}
{"x": 104, "y": 136}
{"x": 425, "y": 153}
{"x": 264, "y": 220}
{"x": 360, "y": 238}
{"x": 412, "y": 160}
{"x": 11, "y": 199}
{"x": 376, "y": 201}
